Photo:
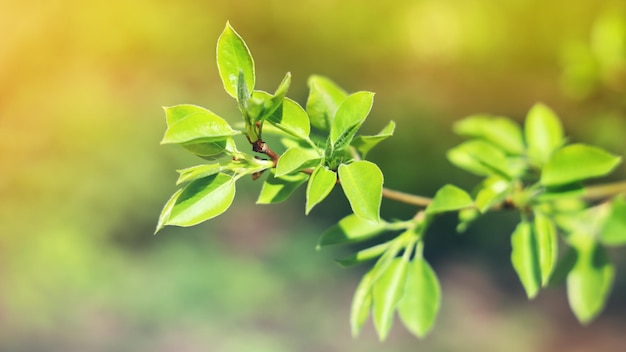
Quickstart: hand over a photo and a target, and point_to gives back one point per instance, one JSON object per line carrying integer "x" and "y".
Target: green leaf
{"x": 577, "y": 162}
{"x": 209, "y": 147}
{"x": 449, "y": 198}
{"x": 233, "y": 57}
{"x": 544, "y": 134}
{"x": 202, "y": 200}
{"x": 362, "y": 183}
{"x": 264, "y": 105}
{"x": 199, "y": 171}
{"x": 499, "y": 131}
{"x": 614, "y": 230}
{"x": 296, "y": 159}
{"x": 364, "y": 255}
{"x": 351, "y": 229}
{"x": 466, "y": 218}
{"x": 278, "y": 189}
{"x": 569, "y": 190}
{"x": 349, "y": 117}
{"x": 361, "y": 303}
{"x": 324, "y": 99}
{"x": 387, "y": 292}
{"x": 291, "y": 119}
{"x": 563, "y": 267}
{"x": 420, "y": 304}
{"x": 547, "y": 246}
{"x": 590, "y": 280}
{"x": 525, "y": 258}
{"x": 320, "y": 184}
{"x": 480, "y": 158}
{"x": 492, "y": 192}
{"x": 364, "y": 144}
{"x": 188, "y": 123}
{"x": 167, "y": 210}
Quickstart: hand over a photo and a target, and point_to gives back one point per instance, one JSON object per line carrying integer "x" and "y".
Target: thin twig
{"x": 607, "y": 190}
{"x": 407, "y": 198}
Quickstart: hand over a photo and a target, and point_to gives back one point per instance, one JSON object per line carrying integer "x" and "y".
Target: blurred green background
{"x": 83, "y": 177}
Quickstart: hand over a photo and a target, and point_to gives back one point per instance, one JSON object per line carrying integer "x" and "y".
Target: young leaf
{"x": 577, "y": 162}
{"x": 420, "y": 304}
{"x": 263, "y": 105}
{"x": 199, "y": 171}
{"x": 493, "y": 191}
{"x": 525, "y": 258}
{"x": 188, "y": 123}
{"x": 364, "y": 144}
{"x": 291, "y": 119}
{"x": 499, "y": 131}
{"x": 364, "y": 255}
{"x": 296, "y": 159}
{"x": 320, "y": 184}
{"x": 208, "y": 147}
{"x": 449, "y": 198}
{"x": 361, "y": 303}
{"x": 362, "y": 183}
{"x": 233, "y": 56}
{"x": 547, "y": 243}
{"x": 387, "y": 292}
{"x": 349, "y": 117}
{"x": 544, "y": 134}
{"x": 479, "y": 157}
{"x": 590, "y": 280}
{"x": 278, "y": 189}
{"x": 324, "y": 99}
{"x": 614, "y": 231}
{"x": 202, "y": 200}
{"x": 167, "y": 210}
{"x": 351, "y": 229}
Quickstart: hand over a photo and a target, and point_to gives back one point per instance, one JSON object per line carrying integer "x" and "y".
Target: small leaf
{"x": 349, "y": 117}
{"x": 492, "y": 192}
{"x": 320, "y": 184}
{"x": 208, "y": 147}
{"x": 193, "y": 123}
{"x": 387, "y": 292}
{"x": 590, "y": 280}
{"x": 547, "y": 243}
{"x": 351, "y": 229}
{"x": 525, "y": 258}
{"x": 500, "y": 131}
{"x": 449, "y": 198}
{"x": 569, "y": 190}
{"x": 296, "y": 159}
{"x": 544, "y": 134}
{"x": 614, "y": 231}
{"x": 422, "y": 298}
{"x": 466, "y": 218}
{"x": 233, "y": 56}
{"x": 479, "y": 157}
{"x": 361, "y": 303}
{"x": 278, "y": 189}
{"x": 167, "y": 210}
{"x": 577, "y": 162}
{"x": 199, "y": 171}
{"x": 364, "y": 144}
{"x": 291, "y": 119}
{"x": 202, "y": 200}
{"x": 364, "y": 255}
{"x": 263, "y": 105}
{"x": 362, "y": 183}
{"x": 324, "y": 99}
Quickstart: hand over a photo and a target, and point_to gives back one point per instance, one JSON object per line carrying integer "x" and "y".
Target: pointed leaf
{"x": 167, "y": 210}
{"x": 351, "y": 229}
{"x": 449, "y": 198}
{"x": 349, "y": 117}
{"x": 296, "y": 159}
{"x": 233, "y": 56}
{"x": 361, "y": 303}
{"x": 547, "y": 243}
{"x": 278, "y": 189}
{"x": 614, "y": 231}
{"x": 499, "y": 131}
{"x": 291, "y": 119}
{"x": 188, "y": 123}
{"x": 208, "y": 147}
{"x": 364, "y": 144}
{"x": 577, "y": 162}
{"x": 590, "y": 280}
{"x": 364, "y": 255}
{"x": 480, "y": 157}
{"x": 525, "y": 258}
{"x": 199, "y": 171}
{"x": 320, "y": 184}
{"x": 386, "y": 293}
{"x": 202, "y": 200}
{"x": 422, "y": 298}
{"x": 324, "y": 99}
{"x": 492, "y": 192}
{"x": 544, "y": 134}
{"x": 362, "y": 183}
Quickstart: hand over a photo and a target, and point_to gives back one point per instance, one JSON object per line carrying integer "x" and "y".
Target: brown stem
{"x": 606, "y": 190}
{"x": 406, "y": 197}
{"x": 261, "y": 147}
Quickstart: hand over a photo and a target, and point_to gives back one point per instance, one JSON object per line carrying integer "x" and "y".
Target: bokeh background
{"x": 83, "y": 177}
